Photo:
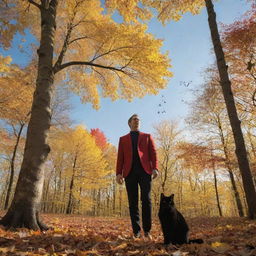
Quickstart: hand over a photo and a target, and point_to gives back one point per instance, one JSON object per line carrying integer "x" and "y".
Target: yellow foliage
{"x": 111, "y": 59}
{"x": 76, "y": 152}
{"x": 132, "y": 10}
{"x": 16, "y": 91}
{"x": 139, "y": 68}
{"x": 4, "y": 64}
{"x": 9, "y": 14}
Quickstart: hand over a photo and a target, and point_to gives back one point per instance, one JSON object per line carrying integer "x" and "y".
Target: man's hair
{"x": 130, "y": 119}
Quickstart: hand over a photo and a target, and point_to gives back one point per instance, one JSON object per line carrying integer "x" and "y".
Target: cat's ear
{"x": 162, "y": 195}
{"x": 172, "y": 196}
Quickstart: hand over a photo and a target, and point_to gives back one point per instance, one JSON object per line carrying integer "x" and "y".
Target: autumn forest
{"x": 61, "y": 175}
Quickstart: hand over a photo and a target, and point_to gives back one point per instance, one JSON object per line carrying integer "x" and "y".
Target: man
{"x": 136, "y": 163}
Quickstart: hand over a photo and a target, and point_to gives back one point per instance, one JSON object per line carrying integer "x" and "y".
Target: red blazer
{"x": 146, "y": 151}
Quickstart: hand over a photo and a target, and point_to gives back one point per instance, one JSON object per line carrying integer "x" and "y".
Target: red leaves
{"x": 100, "y": 138}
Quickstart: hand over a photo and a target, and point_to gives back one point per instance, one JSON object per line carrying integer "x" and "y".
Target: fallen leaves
{"x": 91, "y": 236}
{"x": 220, "y": 247}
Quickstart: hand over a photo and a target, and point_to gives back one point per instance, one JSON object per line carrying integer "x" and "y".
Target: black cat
{"x": 174, "y": 226}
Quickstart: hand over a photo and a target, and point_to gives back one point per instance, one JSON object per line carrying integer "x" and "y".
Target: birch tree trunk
{"x": 23, "y": 211}
{"x": 232, "y": 113}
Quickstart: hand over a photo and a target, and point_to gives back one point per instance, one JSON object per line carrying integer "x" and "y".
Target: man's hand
{"x": 120, "y": 179}
{"x": 155, "y": 173}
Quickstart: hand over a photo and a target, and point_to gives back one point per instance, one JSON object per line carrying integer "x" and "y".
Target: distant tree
{"x": 100, "y": 138}
{"x": 239, "y": 44}
{"x": 77, "y": 168}
{"x": 209, "y": 117}
{"x": 166, "y": 135}
{"x": 15, "y": 103}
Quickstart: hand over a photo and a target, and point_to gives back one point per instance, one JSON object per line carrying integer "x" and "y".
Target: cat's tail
{"x": 196, "y": 241}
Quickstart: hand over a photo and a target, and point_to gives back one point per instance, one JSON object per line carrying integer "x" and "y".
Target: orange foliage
{"x": 198, "y": 156}
{"x": 239, "y": 43}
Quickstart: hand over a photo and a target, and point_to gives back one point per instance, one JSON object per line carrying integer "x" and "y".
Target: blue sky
{"x": 190, "y": 48}
{"x": 189, "y": 44}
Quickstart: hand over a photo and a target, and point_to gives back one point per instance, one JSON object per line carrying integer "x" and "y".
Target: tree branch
{"x": 72, "y": 63}
{"x": 78, "y": 38}
{"x": 52, "y": 3}
{"x": 113, "y": 50}
{"x": 120, "y": 78}
{"x": 64, "y": 48}
{"x": 35, "y": 4}
{"x": 67, "y": 42}
{"x": 131, "y": 59}
{"x": 254, "y": 98}
{"x": 103, "y": 77}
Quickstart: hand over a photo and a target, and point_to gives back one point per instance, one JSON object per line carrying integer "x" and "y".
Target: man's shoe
{"x": 147, "y": 236}
{"x": 137, "y": 235}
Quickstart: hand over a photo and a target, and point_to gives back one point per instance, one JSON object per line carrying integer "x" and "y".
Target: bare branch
{"x": 14, "y": 130}
{"x": 78, "y": 38}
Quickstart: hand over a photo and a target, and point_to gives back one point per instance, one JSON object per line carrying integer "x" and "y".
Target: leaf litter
{"x": 101, "y": 236}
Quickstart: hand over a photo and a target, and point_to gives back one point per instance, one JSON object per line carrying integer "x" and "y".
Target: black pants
{"x": 135, "y": 179}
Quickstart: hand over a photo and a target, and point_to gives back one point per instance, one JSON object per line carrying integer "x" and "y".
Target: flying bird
{"x": 161, "y": 109}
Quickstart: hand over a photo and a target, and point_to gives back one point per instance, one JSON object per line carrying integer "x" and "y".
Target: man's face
{"x": 135, "y": 123}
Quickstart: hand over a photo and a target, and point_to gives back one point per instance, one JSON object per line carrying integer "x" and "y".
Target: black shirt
{"x": 136, "y": 164}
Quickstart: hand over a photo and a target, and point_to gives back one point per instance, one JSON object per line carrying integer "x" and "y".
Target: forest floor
{"x": 89, "y": 236}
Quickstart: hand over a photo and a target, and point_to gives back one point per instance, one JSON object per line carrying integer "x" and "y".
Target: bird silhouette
{"x": 161, "y": 109}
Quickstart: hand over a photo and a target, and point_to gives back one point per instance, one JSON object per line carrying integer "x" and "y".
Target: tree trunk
{"x": 253, "y": 166}
{"x": 217, "y": 193}
{"x": 165, "y": 170}
{"x": 98, "y": 212}
{"x": 120, "y": 201}
{"x": 3, "y": 196}
{"x": 180, "y": 191}
{"x": 70, "y": 198}
{"x": 79, "y": 206}
{"x": 230, "y": 171}
{"x": 236, "y": 194}
{"x": 45, "y": 204}
{"x": 114, "y": 196}
{"x": 63, "y": 196}
{"x": 9, "y": 189}
{"x": 94, "y": 204}
{"x": 107, "y": 212}
{"x": 60, "y": 191}
{"x": 23, "y": 211}
{"x": 71, "y": 186}
{"x": 232, "y": 113}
